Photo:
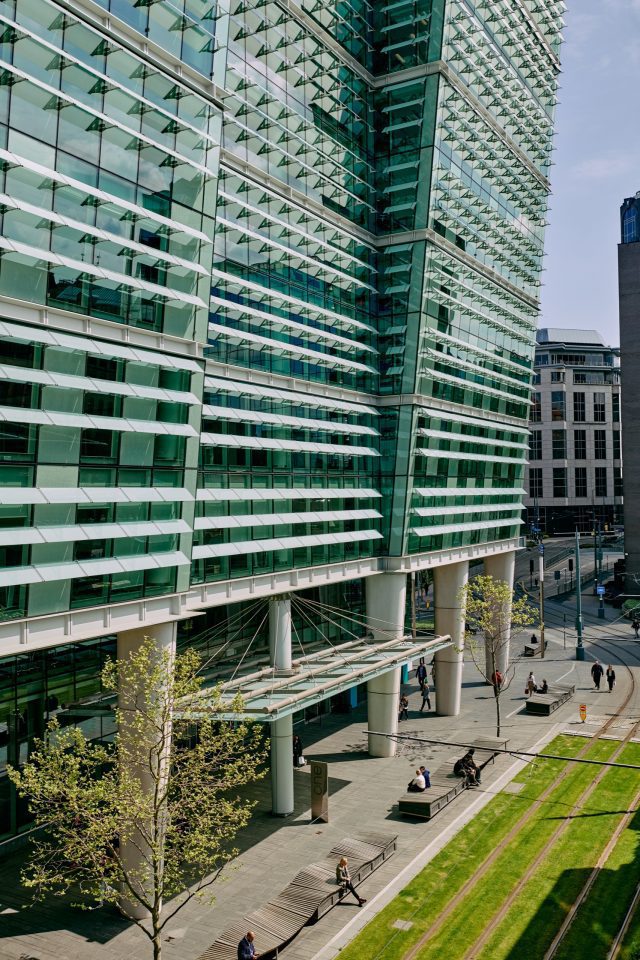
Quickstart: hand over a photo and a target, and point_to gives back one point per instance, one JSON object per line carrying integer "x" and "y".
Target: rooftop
{"x": 565, "y": 335}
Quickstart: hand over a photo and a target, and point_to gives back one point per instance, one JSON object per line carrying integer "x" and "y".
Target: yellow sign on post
{"x": 583, "y": 712}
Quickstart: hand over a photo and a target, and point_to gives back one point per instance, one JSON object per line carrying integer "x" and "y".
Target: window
{"x": 559, "y": 481}
{"x": 615, "y": 403}
{"x": 557, "y": 376}
{"x": 616, "y": 445}
{"x": 535, "y": 415}
{"x": 543, "y": 359}
{"x": 581, "y": 481}
{"x": 600, "y": 444}
{"x": 535, "y": 445}
{"x": 558, "y": 405}
{"x": 617, "y": 481}
{"x": 599, "y": 409}
{"x": 580, "y": 445}
{"x": 601, "y": 482}
{"x": 579, "y": 408}
{"x": 559, "y": 444}
{"x": 630, "y": 226}
{"x": 535, "y": 482}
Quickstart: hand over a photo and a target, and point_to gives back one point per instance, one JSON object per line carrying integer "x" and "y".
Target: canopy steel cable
{"x": 249, "y": 645}
{"x": 304, "y": 655}
{"x": 361, "y": 619}
{"x": 209, "y": 633}
{"x": 243, "y": 624}
{"x": 335, "y": 623}
{"x": 315, "y": 626}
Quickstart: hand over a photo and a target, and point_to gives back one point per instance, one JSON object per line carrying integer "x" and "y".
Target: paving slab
{"x": 363, "y": 793}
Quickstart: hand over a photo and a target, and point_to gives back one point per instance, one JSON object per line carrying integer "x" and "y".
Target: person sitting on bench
{"x": 544, "y": 688}
{"x": 417, "y": 785}
{"x": 466, "y": 767}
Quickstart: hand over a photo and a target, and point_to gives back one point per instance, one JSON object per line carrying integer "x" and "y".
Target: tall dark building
{"x": 629, "y": 294}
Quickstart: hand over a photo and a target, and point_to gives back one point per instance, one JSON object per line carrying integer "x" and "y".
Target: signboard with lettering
{"x": 320, "y": 791}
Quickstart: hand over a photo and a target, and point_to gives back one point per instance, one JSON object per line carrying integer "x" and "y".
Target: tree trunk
{"x": 157, "y": 946}
{"x": 497, "y": 696}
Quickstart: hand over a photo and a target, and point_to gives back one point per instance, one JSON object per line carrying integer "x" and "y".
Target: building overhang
{"x": 87, "y": 623}
{"x": 268, "y": 695}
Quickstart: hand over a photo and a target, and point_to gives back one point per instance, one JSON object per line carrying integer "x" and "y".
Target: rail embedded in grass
{"x": 469, "y": 920}
{"x": 429, "y": 893}
{"x": 542, "y": 904}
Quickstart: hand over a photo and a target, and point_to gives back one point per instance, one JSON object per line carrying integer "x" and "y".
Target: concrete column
{"x": 449, "y": 580}
{"x": 282, "y": 766}
{"x": 140, "y": 752}
{"x": 501, "y": 567}
{"x": 280, "y": 634}
{"x": 386, "y": 600}
{"x": 281, "y": 730}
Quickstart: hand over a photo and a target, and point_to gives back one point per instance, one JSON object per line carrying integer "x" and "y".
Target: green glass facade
{"x": 269, "y": 284}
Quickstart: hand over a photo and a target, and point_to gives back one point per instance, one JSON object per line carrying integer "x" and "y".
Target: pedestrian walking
{"x": 343, "y": 877}
{"x": 636, "y": 626}
{"x": 421, "y": 673}
{"x": 403, "y": 709}
{"x": 596, "y": 673}
{"x": 611, "y": 677}
{"x": 425, "y": 696}
{"x": 532, "y": 686}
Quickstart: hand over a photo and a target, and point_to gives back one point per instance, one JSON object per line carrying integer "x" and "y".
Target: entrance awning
{"x": 268, "y": 695}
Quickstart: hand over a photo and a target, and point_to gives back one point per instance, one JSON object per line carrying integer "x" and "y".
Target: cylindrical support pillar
{"x": 501, "y": 566}
{"x": 386, "y": 600}
{"x": 282, "y": 729}
{"x": 282, "y": 766}
{"x": 280, "y": 633}
{"x": 146, "y": 759}
{"x": 383, "y": 697}
{"x": 449, "y": 581}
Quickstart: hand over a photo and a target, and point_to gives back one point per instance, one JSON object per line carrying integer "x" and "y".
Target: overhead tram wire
{"x": 512, "y": 753}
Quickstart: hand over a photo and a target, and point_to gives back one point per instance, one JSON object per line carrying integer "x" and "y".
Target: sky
{"x": 596, "y": 164}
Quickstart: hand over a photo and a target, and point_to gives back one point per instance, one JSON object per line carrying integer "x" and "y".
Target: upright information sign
{"x": 319, "y": 791}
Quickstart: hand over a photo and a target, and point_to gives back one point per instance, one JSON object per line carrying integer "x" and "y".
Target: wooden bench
{"x": 312, "y": 893}
{"x": 446, "y": 786}
{"x": 543, "y": 704}
{"x": 530, "y": 651}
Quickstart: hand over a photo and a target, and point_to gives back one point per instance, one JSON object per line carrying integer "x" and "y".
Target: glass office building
{"x": 269, "y": 282}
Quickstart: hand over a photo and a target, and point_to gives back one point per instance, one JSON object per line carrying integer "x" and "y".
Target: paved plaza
{"x": 363, "y": 794}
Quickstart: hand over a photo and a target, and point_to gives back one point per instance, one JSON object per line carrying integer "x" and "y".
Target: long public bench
{"x": 543, "y": 704}
{"x": 446, "y": 786}
{"x": 312, "y": 893}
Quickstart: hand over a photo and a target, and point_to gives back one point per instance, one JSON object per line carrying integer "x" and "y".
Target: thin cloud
{"x": 604, "y": 167}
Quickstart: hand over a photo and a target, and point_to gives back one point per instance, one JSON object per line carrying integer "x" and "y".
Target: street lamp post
{"x": 579, "y": 646}
{"x": 541, "y": 578}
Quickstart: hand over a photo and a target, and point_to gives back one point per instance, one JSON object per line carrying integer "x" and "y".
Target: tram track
{"x": 483, "y": 868}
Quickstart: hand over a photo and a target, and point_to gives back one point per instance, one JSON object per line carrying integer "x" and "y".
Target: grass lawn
{"x": 469, "y": 919}
{"x": 536, "y": 915}
{"x": 427, "y": 895}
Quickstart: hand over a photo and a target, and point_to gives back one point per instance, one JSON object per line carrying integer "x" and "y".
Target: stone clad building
{"x": 574, "y": 480}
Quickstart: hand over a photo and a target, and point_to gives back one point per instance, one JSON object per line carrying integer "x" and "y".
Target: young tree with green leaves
{"x": 146, "y": 822}
{"x": 493, "y": 616}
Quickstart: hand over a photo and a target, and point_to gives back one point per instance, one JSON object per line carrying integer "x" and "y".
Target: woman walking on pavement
{"x": 611, "y": 677}
{"x": 532, "y": 686}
